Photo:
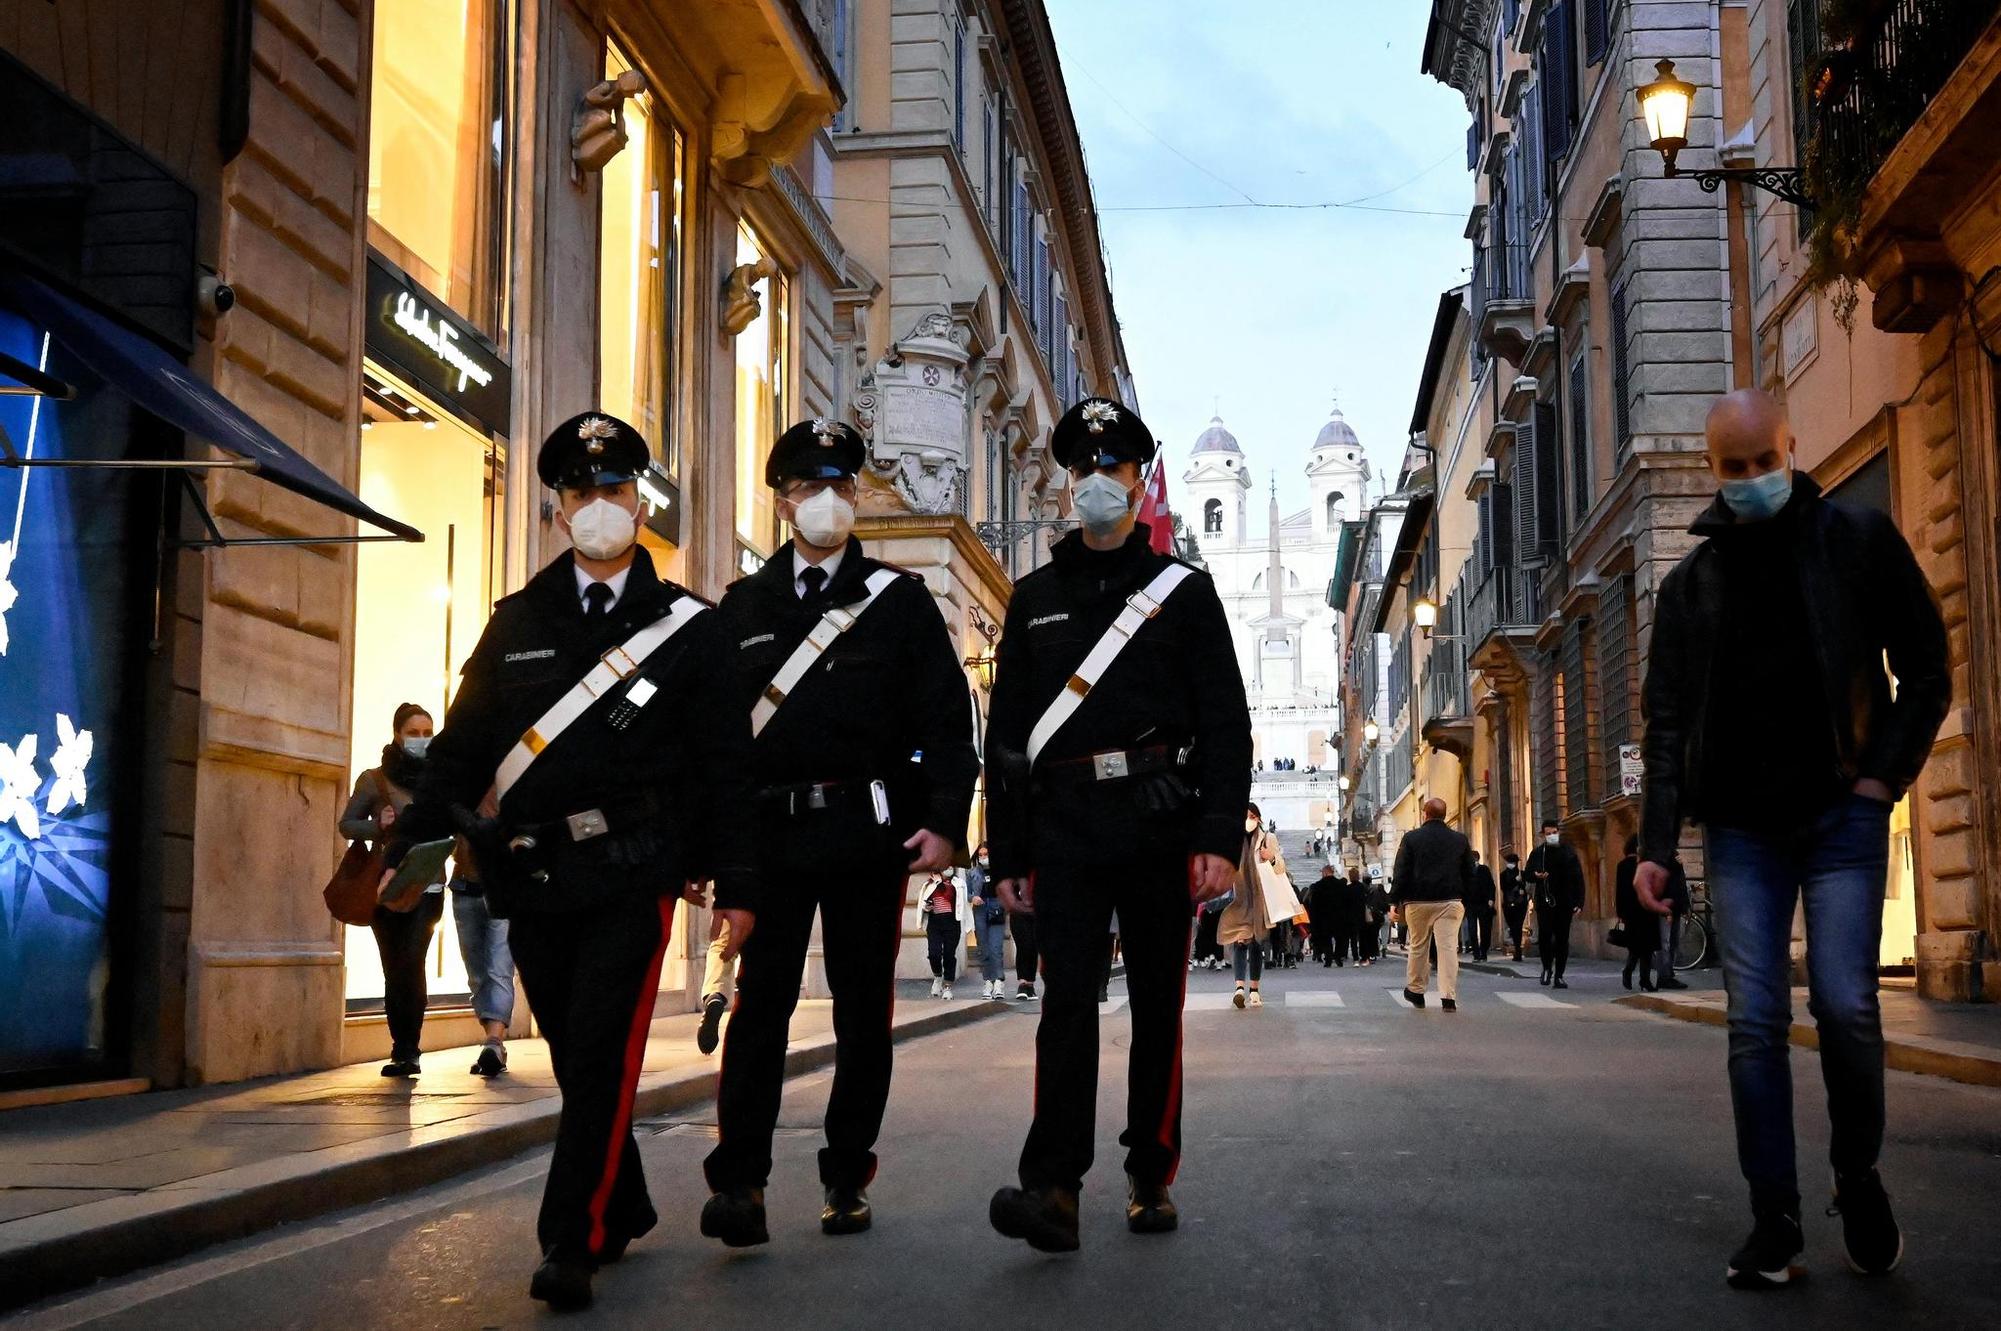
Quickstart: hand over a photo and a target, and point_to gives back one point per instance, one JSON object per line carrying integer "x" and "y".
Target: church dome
{"x": 1216, "y": 439}
{"x": 1337, "y": 433}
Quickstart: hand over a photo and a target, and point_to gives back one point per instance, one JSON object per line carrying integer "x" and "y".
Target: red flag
{"x": 1153, "y": 512}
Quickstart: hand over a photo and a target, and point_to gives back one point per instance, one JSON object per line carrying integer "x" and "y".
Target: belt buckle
{"x": 590, "y": 823}
{"x": 1111, "y": 766}
{"x": 816, "y": 797}
{"x": 621, "y": 670}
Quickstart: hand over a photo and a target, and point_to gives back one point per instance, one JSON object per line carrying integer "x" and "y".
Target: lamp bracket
{"x": 1787, "y": 182}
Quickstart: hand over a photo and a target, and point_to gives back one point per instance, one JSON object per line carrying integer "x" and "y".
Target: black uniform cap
{"x": 820, "y": 449}
{"x": 592, "y": 449}
{"x": 1099, "y": 432}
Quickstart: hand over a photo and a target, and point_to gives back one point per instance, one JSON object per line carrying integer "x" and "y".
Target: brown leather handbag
{"x": 350, "y": 893}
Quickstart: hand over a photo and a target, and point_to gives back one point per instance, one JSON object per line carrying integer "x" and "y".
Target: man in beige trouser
{"x": 1434, "y": 871}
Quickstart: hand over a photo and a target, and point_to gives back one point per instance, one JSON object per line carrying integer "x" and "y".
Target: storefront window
{"x": 640, "y": 272}
{"x": 418, "y": 608}
{"x": 74, "y": 593}
{"x": 437, "y": 149}
{"x": 760, "y": 401}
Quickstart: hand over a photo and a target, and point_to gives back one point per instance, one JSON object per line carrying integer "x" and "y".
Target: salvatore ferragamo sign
{"x": 412, "y": 333}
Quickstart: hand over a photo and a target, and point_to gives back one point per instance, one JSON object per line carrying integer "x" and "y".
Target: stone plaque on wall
{"x": 912, "y": 409}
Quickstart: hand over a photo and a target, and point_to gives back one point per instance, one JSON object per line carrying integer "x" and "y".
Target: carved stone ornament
{"x": 741, "y": 301}
{"x": 928, "y": 482}
{"x": 597, "y": 128}
{"x": 912, "y": 409}
{"x": 865, "y": 404}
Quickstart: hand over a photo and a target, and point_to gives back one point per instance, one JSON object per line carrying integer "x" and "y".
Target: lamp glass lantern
{"x": 1667, "y": 104}
{"x": 1345, "y": 783}
{"x": 1424, "y": 613}
{"x": 1372, "y": 732}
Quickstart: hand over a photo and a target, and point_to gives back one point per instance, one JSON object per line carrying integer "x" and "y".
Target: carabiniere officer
{"x": 1134, "y": 803}
{"x": 864, "y": 768}
{"x": 605, "y": 817}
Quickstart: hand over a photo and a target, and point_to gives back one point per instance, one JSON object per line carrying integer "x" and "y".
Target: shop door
{"x": 418, "y": 611}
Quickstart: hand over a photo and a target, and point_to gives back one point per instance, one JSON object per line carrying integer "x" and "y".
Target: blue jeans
{"x": 489, "y": 965}
{"x": 992, "y": 936}
{"x": 1838, "y": 865}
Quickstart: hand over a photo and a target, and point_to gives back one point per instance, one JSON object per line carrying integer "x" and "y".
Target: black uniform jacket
{"x": 1175, "y": 683}
{"x": 673, "y": 783}
{"x": 889, "y": 689}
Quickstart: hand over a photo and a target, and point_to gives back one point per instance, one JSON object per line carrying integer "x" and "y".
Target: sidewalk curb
{"x": 1950, "y": 1059}
{"x": 99, "y": 1240}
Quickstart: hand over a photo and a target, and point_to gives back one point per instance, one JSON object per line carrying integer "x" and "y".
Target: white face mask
{"x": 1101, "y": 503}
{"x": 416, "y": 744}
{"x": 824, "y": 520}
{"x": 1551, "y": 839}
{"x": 603, "y": 530}
{"x": 1250, "y": 824}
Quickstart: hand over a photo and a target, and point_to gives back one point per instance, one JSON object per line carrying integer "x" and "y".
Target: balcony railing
{"x": 1507, "y": 599}
{"x": 1869, "y": 93}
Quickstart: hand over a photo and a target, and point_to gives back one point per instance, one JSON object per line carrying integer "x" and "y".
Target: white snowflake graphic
{"x": 7, "y": 593}
{"x": 68, "y": 761}
{"x": 18, "y": 783}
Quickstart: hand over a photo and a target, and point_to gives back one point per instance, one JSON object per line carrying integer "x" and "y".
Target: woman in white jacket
{"x": 946, "y": 919}
{"x": 1248, "y": 919}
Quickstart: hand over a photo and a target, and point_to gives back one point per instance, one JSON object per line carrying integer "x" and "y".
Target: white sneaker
{"x": 1257, "y": 999}
{"x": 1239, "y": 999}
{"x": 937, "y": 985}
{"x": 947, "y": 995}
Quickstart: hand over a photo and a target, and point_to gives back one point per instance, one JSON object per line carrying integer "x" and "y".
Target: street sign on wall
{"x": 1631, "y": 769}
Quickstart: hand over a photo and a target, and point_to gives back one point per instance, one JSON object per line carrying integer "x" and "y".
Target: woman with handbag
{"x": 989, "y": 927}
{"x": 1247, "y": 921}
{"x": 402, "y": 929}
{"x": 1640, "y": 928}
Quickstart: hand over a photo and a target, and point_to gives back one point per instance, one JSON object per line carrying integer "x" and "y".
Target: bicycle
{"x": 1698, "y": 931}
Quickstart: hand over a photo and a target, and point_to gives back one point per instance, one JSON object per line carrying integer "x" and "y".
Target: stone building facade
{"x": 444, "y": 228}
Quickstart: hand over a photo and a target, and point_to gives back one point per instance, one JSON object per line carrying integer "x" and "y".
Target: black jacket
{"x": 1563, "y": 887}
{"x": 1865, "y": 597}
{"x": 1480, "y": 898}
{"x": 1434, "y": 863}
{"x": 684, "y": 760}
{"x": 887, "y": 689}
{"x": 1514, "y": 893}
{"x": 1176, "y": 683}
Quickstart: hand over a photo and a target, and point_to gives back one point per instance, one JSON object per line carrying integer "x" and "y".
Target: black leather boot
{"x": 1046, "y": 1218}
{"x": 1149, "y": 1208}
{"x": 564, "y": 1283}
{"x": 847, "y": 1211}
{"x": 736, "y": 1217}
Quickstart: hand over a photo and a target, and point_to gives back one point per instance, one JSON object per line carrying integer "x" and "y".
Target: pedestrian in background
{"x": 1434, "y": 873}
{"x": 989, "y": 927}
{"x": 1556, "y": 881}
{"x": 947, "y": 917}
{"x": 1642, "y": 928}
{"x": 1514, "y": 897}
{"x": 1246, "y": 921}
{"x": 1375, "y": 921}
{"x": 1480, "y": 908}
{"x": 488, "y": 962}
{"x": 1771, "y": 721}
{"x": 1027, "y": 956}
{"x": 1323, "y": 908}
{"x": 1678, "y": 900}
{"x": 718, "y": 978}
{"x": 402, "y": 937}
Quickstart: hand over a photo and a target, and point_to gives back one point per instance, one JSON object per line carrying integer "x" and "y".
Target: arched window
{"x": 1212, "y": 518}
{"x": 1334, "y": 508}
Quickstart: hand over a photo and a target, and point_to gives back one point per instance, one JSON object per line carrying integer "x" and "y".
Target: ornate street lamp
{"x": 1345, "y": 782}
{"x": 1667, "y": 104}
{"x": 1371, "y": 732}
{"x": 982, "y": 665}
{"x": 1424, "y": 613}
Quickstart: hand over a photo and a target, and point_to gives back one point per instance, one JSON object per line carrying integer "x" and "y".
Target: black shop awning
{"x": 156, "y": 381}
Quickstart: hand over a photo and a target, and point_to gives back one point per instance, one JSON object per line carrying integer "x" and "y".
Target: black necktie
{"x": 597, "y": 602}
{"x": 815, "y": 579}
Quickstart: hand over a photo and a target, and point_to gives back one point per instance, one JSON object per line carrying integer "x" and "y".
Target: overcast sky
{"x": 1271, "y": 311}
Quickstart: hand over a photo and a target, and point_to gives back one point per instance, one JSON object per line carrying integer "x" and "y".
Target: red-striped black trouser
{"x": 591, "y": 978}
{"x": 1073, "y": 913}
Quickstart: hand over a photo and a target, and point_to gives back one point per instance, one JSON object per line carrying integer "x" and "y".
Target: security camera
{"x": 214, "y": 295}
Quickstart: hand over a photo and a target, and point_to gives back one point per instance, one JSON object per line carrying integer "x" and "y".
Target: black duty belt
{"x": 814, "y": 797}
{"x": 1109, "y": 765}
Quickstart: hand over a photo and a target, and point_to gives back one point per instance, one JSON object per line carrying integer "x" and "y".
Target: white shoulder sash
{"x": 838, "y": 620}
{"x": 1141, "y": 606}
{"x": 615, "y": 665}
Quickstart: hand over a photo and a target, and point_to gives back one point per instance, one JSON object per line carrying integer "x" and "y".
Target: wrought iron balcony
{"x": 1507, "y": 603}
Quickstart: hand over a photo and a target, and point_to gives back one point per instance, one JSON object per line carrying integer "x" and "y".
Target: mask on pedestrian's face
{"x": 1550, "y": 838}
{"x": 1756, "y": 498}
{"x": 1513, "y": 863}
{"x": 1102, "y": 503}
{"x": 1250, "y": 825}
{"x": 824, "y": 520}
{"x": 603, "y": 529}
{"x": 415, "y": 745}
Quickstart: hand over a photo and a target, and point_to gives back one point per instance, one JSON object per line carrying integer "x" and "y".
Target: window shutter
{"x": 1580, "y": 791}
{"x": 1551, "y": 73}
{"x": 1549, "y": 474}
{"x": 1018, "y": 251}
{"x": 1503, "y": 530}
{"x": 1597, "y": 29}
{"x": 1579, "y": 409}
{"x": 959, "y": 86}
{"x": 1615, "y": 688}
{"x": 1528, "y": 497}
{"x": 1530, "y": 157}
{"x": 1803, "y": 49}
{"x": 1483, "y": 541}
{"x": 1622, "y": 420}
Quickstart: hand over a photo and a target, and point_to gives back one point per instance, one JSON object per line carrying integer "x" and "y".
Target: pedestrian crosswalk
{"x": 1323, "y": 999}
{"x": 1530, "y": 1000}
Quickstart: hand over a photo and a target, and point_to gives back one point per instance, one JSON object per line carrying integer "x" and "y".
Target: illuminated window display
{"x": 437, "y": 148}
{"x": 761, "y": 354}
{"x": 70, "y": 637}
